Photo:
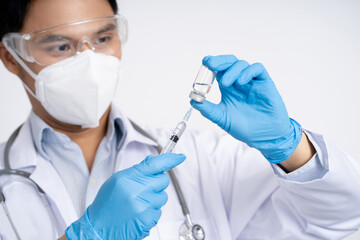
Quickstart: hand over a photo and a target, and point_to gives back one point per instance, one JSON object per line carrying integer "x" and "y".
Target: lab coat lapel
{"x": 48, "y": 179}
{"x": 241, "y": 211}
{"x": 141, "y": 142}
{"x": 212, "y": 198}
{"x": 23, "y": 156}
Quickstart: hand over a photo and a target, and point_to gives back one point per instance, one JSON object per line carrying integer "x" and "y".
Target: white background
{"x": 310, "y": 48}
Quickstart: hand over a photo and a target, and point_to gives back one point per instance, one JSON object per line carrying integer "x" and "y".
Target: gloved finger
{"x": 159, "y": 164}
{"x": 149, "y": 219}
{"x": 156, "y": 199}
{"x": 209, "y": 110}
{"x": 255, "y": 71}
{"x": 233, "y": 73}
{"x": 219, "y": 63}
{"x": 159, "y": 182}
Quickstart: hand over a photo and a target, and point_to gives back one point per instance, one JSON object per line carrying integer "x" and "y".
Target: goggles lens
{"x": 54, "y": 44}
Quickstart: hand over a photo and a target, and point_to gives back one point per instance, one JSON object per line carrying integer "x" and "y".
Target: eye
{"x": 63, "y": 47}
{"x": 103, "y": 40}
{"x": 58, "y": 49}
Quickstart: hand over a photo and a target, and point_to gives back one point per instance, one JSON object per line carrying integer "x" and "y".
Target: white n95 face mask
{"x": 79, "y": 89}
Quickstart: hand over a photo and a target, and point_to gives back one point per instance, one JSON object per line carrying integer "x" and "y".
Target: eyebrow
{"x": 108, "y": 27}
{"x": 58, "y": 38}
{"x": 53, "y": 38}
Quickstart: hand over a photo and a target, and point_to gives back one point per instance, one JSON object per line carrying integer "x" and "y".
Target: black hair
{"x": 13, "y": 13}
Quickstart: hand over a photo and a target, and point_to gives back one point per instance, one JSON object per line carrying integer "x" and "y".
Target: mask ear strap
{"x": 29, "y": 90}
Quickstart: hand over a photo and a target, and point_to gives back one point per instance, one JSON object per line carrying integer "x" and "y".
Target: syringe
{"x": 176, "y": 134}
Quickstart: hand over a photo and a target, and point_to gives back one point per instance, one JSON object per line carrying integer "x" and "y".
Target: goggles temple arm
{"x": 17, "y": 58}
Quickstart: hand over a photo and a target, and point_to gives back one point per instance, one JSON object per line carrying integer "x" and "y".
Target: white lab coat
{"x": 231, "y": 190}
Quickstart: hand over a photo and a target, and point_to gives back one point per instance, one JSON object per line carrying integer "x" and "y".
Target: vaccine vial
{"x": 202, "y": 84}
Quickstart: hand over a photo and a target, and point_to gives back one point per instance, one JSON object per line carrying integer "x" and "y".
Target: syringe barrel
{"x": 179, "y": 130}
{"x": 176, "y": 134}
{"x": 168, "y": 147}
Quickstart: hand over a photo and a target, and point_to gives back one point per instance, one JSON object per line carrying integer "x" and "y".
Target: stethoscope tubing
{"x": 9, "y": 171}
{"x": 171, "y": 173}
{"x": 188, "y": 222}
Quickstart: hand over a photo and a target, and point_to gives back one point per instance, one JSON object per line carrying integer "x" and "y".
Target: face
{"x": 46, "y": 13}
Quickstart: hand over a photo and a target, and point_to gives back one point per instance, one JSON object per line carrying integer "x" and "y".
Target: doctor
{"x": 266, "y": 179}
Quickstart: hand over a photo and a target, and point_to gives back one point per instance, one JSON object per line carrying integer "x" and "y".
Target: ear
{"x": 8, "y": 60}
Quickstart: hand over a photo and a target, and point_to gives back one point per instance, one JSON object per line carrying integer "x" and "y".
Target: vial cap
{"x": 197, "y": 97}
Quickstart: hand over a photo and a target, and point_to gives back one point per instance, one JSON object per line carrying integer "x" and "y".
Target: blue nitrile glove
{"x": 128, "y": 204}
{"x": 251, "y": 108}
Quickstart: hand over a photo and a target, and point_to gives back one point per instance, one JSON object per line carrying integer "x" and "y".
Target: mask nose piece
{"x": 85, "y": 44}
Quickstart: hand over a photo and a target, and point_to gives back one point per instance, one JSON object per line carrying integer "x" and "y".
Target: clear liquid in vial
{"x": 203, "y": 88}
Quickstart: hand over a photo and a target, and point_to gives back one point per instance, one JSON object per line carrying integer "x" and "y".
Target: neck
{"x": 87, "y": 139}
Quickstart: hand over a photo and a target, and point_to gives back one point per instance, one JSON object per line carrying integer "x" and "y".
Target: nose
{"x": 85, "y": 44}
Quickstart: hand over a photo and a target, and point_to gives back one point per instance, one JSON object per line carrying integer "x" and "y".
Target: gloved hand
{"x": 128, "y": 204}
{"x": 251, "y": 108}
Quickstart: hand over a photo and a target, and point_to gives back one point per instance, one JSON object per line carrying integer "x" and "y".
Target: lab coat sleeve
{"x": 315, "y": 168}
{"x": 318, "y": 201}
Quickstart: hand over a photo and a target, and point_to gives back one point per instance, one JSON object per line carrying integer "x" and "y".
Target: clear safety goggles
{"x": 53, "y": 44}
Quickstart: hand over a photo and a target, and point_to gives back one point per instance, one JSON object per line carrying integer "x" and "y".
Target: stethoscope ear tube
{"x": 8, "y": 146}
{"x": 2, "y": 197}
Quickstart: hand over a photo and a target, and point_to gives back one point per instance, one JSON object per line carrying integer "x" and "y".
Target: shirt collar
{"x": 38, "y": 127}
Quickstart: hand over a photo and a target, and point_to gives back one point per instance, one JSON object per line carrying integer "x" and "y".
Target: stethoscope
{"x": 26, "y": 176}
{"x": 187, "y": 231}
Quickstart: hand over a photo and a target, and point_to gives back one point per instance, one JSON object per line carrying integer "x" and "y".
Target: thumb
{"x": 211, "y": 111}
{"x": 159, "y": 164}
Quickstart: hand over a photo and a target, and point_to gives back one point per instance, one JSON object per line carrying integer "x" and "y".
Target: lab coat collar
{"x": 132, "y": 135}
{"x": 115, "y": 128}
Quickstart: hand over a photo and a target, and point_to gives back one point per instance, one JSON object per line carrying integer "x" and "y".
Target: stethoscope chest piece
{"x": 195, "y": 232}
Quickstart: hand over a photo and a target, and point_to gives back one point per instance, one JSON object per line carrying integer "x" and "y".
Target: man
{"x": 266, "y": 179}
